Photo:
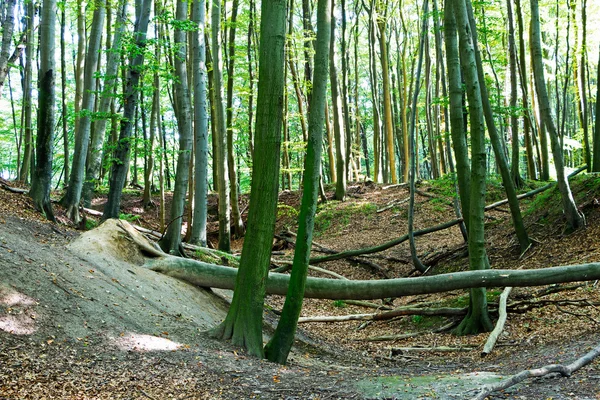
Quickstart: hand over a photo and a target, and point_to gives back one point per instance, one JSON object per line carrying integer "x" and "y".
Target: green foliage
{"x": 129, "y": 217}
{"x": 90, "y": 224}
{"x": 417, "y": 319}
{"x": 339, "y": 304}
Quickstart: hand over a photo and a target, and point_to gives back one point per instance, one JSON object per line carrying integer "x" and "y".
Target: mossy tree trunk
{"x": 278, "y": 348}
{"x": 243, "y": 324}
{"x": 477, "y": 320}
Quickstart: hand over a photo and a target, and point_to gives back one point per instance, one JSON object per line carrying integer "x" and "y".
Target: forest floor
{"x": 80, "y": 318}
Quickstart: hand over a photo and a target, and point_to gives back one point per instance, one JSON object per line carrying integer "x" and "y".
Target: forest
{"x": 209, "y": 115}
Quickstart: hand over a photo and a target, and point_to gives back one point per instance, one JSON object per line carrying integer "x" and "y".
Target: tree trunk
{"x": 581, "y": 88}
{"x": 523, "y": 76}
{"x": 387, "y": 99}
{"x": 574, "y": 218}
{"x": 243, "y": 324}
{"x": 171, "y": 242}
{"x": 514, "y": 122}
{"x": 8, "y": 26}
{"x": 25, "y": 167}
{"x": 279, "y": 346}
{"x": 42, "y": 176}
{"x": 457, "y": 128}
{"x": 341, "y": 158}
{"x": 219, "y": 137}
{"x": 82, "y": 133}
{"x": 200, "y": 124}
{"x": 477, "y": 319}
{"x": 120, "y": 162}
{"x": 495, "y": 138}
{"x": 412, "y": 134}
{"x": 238, "y": 225}
{"x": 596, "y": 161}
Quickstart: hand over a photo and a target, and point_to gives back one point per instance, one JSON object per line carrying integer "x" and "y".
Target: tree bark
{"x": 341, "y": 158}
{"x": 42, "y": 176}
{"x": 279, "y": 346}
{"x": 219, "y": 134}
{"x": 477, "y": 319}
{"x": 26, "y": 166}
{"x": 8, "y": 26}
{"x": 243, "y": 324}
{"x": 171, "y": 242}
{"x": 200, "y": 124}
{"x": 83, "y": 129}
{"x": 120, "y": 161}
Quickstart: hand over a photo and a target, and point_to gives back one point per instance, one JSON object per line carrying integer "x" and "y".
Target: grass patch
{"x": 338, "y": 214}
{"x": 129, "y": 217}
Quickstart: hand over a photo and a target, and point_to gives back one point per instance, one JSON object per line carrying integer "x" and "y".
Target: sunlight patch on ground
{"x": 17, "y": 324}
{"x": 139, "y": 342}
{"x": 15, "y": 316}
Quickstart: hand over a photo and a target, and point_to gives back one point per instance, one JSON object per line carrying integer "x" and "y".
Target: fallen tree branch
{"x": 493, "y": 338}
{"x": 384, "y": 246}
{"x": 393, "y": 204}
{"x": 443, "y": 349}
{"x": 535, "y": 191}
{"x": 564, "y": 370}
{"x": 398, "y": 312}
{"x": 401, "y": 336}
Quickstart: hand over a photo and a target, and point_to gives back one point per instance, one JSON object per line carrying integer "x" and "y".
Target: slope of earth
{"x": 80, "y": 319}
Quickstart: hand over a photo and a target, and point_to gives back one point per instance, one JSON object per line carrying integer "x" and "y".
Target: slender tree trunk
{"x": 374, "y": 95}
{"x": 330, "y": 155}
{"x": 171, "y": 242}
{"x": 63, "y": 75}
{"x": 412, "y": 135}
{"x": 387, "y": 98}
{"x": 581, "y": 88}
{"x": 495, "y": 138}
{"x": 457, "y": 128}
{"x": 79, "y": 59}
{"x": 243, "y": 324}
{"x": 279, "y": 346}
{"x": 42, "y": 174}
{"x": 596, "y": 161}
{"x": 220, "y": 138}
{"x": 25, "y": 167}
{"x": 574, "y": 218}
{"x": 339, "y": 132}
{"x": 238, "y": 225}
{"x": 200, "y": 124}
{"x": 523, "y": 76}
{"x": 514, "y": 123}
{"x": 82, "y": 134}
{"x": 7, "y": 8}
{"x": 120, "y": 163}
{"x": 249, "y": 49}
{"x": 477, "y": 319}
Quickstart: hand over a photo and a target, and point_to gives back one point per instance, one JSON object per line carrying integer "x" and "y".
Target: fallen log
{"x": 564, "y": 370}
{"x": 210, "y": 275}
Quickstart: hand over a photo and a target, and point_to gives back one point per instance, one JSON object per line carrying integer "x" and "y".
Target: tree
{"x": 109, "y": 88}
{"x": 42, "y": 176}
{"x": 279, "y": 346}
{"x": 171, "y": 241}
{"x": 238, "y": 224}
{"x": 219, "y": 136}
{"x": 243, "y": 324}
{"x": 7, "y": 19}
{"x": 120, "y": 162}
{"x": 477, "y": 319}
{"x": 200, "y": 124}
{"x": 575, "y": 219}
{"x": 341, "y": 158}
{"x": 82, "y": 133}
{"x": 25, "y": 167}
